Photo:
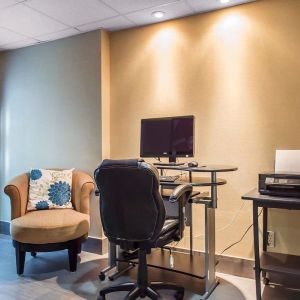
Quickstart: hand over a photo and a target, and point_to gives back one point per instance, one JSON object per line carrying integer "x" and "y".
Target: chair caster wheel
{"x": 179, "y": 295}
{"x": 266, "y": 281}
{"x": 101, "y": 276}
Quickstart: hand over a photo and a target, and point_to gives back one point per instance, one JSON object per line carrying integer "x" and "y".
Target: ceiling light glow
{"x": 224, "y": 1}
{"x": 158, "y": 14}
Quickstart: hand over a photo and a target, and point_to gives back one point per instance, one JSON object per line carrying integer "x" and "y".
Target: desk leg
{"x": 256, "y": 250}
{"x": 112, "y": 250}
{"x": 265, "y": 228}
{"x": 191, "y": 228}
{"x": 213, "y": 190}
{"x": 112, "y": 263}
{"x": 265, "y": 238}
{"x": 191, "y": 218}
{"x": 114, "y": 270}
{"x": 210, "y": 261}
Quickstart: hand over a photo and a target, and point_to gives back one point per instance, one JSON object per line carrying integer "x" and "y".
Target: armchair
{"x": 49, "y": 230}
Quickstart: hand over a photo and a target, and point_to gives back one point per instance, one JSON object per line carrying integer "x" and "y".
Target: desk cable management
{"x": 235, "y": 243}
{"x": 228, "y": 225}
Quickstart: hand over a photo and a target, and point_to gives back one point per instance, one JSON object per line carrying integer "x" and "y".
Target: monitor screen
{"x": 164, "y": 137}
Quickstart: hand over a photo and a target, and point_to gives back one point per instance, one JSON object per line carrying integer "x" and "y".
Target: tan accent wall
{"x": 105, "y": 106}
{"x": 105, "y": 92}
{"x": 238, "y": 71}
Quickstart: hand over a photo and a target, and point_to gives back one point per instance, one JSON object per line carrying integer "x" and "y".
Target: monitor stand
{"x": 172, "y": 162}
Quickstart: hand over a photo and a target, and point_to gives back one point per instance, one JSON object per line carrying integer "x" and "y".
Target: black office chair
{"x": 133, "y": 217}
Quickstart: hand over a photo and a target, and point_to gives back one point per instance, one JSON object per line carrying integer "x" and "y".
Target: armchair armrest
{"x": 17, "y": 190}
{"x": 83, "y": 185}
{"x": 179, "y": 191}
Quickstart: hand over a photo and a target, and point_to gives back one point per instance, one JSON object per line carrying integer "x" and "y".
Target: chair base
{"x": 73, "y": 246}
{"x": 149, "y": 291}
{"x": 143, "y": 288}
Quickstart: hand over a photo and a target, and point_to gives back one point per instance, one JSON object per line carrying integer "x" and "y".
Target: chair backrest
{"x": 131, "y": 206}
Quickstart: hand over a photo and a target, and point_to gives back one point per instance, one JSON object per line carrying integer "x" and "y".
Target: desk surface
{"x": 254, "y": 195}
{"x": 197, "y": 181}
{"x": 200, "y": 168}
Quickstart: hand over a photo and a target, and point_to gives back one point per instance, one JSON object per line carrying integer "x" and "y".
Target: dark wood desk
{"x": 269, "y": 262}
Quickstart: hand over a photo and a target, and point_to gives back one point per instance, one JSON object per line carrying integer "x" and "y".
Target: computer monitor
{"x": 167, "y": 137}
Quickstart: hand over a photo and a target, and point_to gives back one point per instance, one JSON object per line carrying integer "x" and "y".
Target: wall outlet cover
{"x": 271, "y": 239}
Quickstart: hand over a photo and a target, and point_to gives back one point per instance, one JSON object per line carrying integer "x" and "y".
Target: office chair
{"x": 134, "y": 217}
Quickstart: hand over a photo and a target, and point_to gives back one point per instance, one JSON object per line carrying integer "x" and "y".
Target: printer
{"x": 279, "y": 184}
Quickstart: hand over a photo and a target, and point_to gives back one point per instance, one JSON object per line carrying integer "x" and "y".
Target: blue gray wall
{"x": 51, "y": 110}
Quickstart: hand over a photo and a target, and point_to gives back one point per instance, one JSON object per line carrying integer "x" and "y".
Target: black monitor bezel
{"x": 181, "y": 154}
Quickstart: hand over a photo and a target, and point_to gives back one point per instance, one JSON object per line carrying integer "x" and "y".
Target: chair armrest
{"x": 181, "y": 194}
{"x": 82, "y": 185}
{"x": 179, "y": 191}
{"x": 17, "y": 190}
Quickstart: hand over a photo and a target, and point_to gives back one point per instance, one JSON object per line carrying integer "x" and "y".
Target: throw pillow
{"x": 49, "y": 189}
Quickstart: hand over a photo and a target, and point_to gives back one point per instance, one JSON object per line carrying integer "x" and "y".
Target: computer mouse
{"x": 193, "y": 164}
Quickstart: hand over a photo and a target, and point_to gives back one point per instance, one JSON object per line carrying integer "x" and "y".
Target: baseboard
{"x": 231, "y": 265}
{"x": 95, "y": 245}
{"x": 92, "y": 244}
{"x": 5, "y": 227}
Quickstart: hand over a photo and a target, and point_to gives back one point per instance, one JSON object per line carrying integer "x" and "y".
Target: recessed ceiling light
{"x": 224, "y": 1}
{"x": 158, "y": 14}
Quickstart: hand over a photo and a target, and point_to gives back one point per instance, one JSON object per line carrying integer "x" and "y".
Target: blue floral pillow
{"x": 49, "y": 189}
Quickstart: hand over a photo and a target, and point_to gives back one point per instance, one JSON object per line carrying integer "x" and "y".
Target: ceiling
{"x": 29, "y": 22}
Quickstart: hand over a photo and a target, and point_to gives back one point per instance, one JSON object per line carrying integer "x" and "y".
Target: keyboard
{"x": 169, "y": 178}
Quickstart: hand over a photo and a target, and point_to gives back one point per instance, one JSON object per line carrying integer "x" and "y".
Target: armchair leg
{"x": 73, "y": 252}
{"x": 73, "y": 247}
{"x": 20, "y": 259}
{"x": 79, "y": 248}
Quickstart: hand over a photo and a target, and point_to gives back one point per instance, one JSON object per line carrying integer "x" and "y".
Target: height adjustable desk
{"x": 203, "y": 268}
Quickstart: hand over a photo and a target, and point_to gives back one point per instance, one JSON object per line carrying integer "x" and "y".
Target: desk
{"x": 269, "y": 262}
{"x": 210, "y": 202}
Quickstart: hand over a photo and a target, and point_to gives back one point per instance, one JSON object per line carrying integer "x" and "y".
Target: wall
{"x": 105, "y": 102}
{"x": 237, "y": 70}
{"x": 51, "y": 110}
{"x": 105, "y": 92}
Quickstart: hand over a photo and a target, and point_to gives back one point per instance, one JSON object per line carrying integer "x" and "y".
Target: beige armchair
{"x": 49, "y": 230}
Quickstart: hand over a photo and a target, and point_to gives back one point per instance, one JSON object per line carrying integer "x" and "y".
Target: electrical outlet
{"x": 271, "y": 239}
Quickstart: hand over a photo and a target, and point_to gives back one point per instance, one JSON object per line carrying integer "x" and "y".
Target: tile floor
{"x": 47, "y": 277}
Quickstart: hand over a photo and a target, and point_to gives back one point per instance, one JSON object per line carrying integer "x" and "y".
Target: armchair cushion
{"x": 49, "y": 189}
{"x": 49, "y": 226}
